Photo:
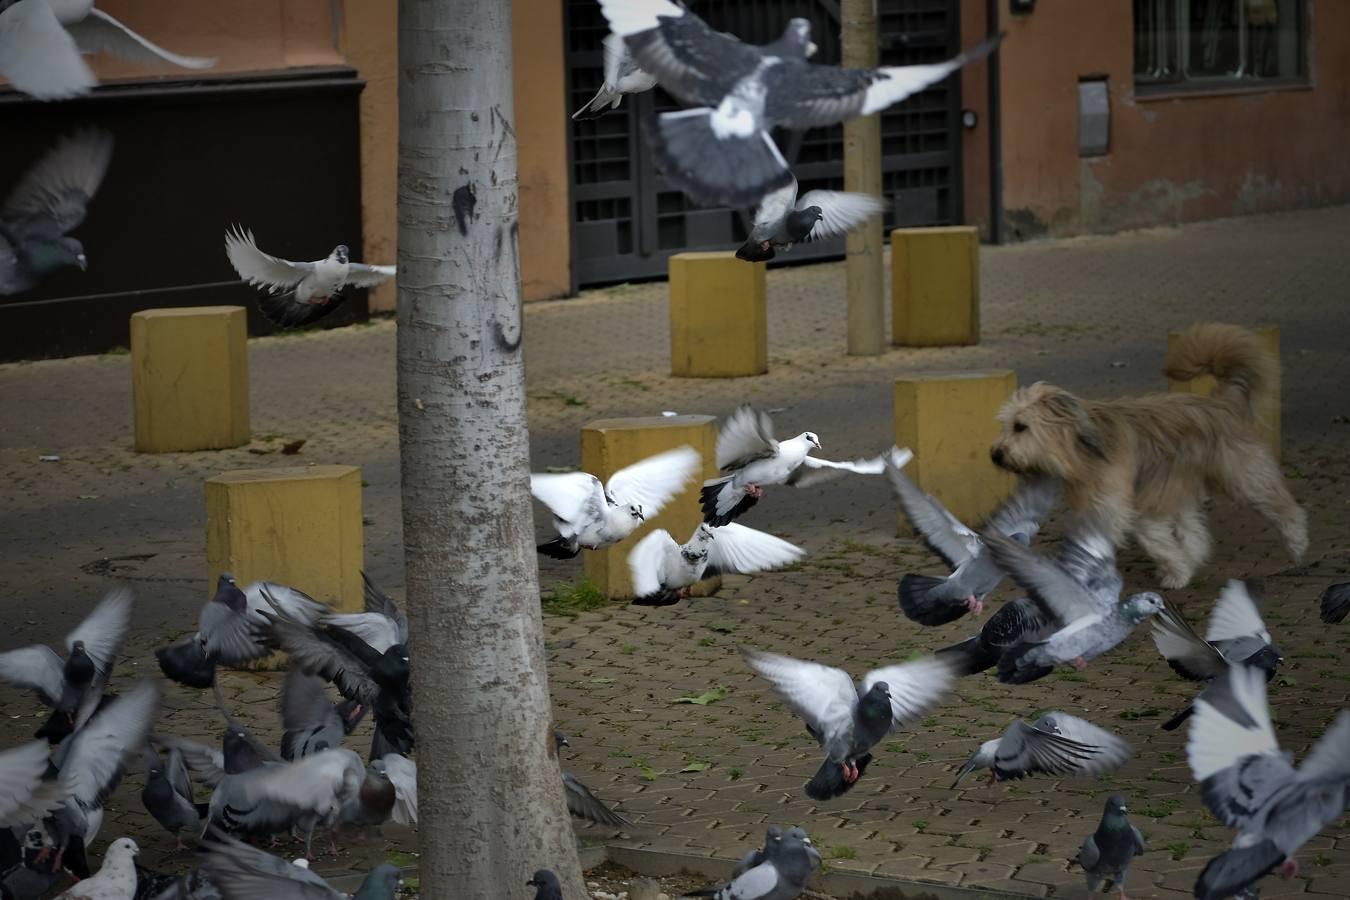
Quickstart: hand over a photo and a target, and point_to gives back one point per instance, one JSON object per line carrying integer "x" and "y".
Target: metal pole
{"x": 862, "y": 173}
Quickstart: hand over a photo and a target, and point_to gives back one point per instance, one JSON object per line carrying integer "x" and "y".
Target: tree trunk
{"x": 862, "y": 173}
{"x": 490, "y": 791}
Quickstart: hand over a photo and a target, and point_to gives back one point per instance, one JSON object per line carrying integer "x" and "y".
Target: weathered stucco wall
{"x": 1172, "y": 159}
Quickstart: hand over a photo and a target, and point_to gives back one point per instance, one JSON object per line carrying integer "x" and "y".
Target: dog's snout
{"x": 996, "y": 454}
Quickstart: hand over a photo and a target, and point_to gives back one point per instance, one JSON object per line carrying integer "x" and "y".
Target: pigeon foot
{"x": 851, "y": 773}
{"x": 993, "y": 777}
{"x": 178, "y": 844}
{"x": 754, "y": 490}
{"x": 685, "y": 592}
{"x": 1289, "y": 869}
{"x": 1079, "y": 663}
{"x": 974, "y": 606}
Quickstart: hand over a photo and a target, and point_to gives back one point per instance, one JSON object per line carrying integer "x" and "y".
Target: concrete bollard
{"x": 718, "y": 319}
{"x": 947, "y": 419}
{"x": 608, "y": 445}
{"x": 299, "y": 526}
{"x": 935, "y": 286}
{"x": 1204, "y": 385}
{"x": 189, "y": 378}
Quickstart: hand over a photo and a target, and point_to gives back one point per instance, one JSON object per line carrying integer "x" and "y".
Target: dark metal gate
{"x": 627, "y": 221}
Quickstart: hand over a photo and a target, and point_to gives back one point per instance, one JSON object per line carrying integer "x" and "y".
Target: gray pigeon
{"x": 546, "y": 885}
{"x": 311, "y": 721}
{"x": 1251, "y": 785}
{"x": 167, "y": 794}
{"x": 844, "y": 722}
{"x": 1080, "y": 590}
{"x": 242, "y": 872}
{"x": 1336, "y": 603}
{"x": 1108, "y": 851}
{"x": 72, "y": 686}
{"x": 783, "y": 873}
{"x": 664, "y": 571}
{"x": 752, "y": 858}
{"x": 720, "y": 152}
{"x": 115, "y": 879}
{"x": 1057, "y": 744}
{"x": 374, "y": 802}
{"x": 783, "y": 219}
{"x": 937, "y": 601}
{"x": 580, "y": 801}
{"x": 1016, "y": 623}
{"x": 49, "y": 201}
{"x": 42, "y": 42}
{"x": 1236, "y": 635}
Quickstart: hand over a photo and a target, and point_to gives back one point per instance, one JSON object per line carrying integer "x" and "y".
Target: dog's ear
{"x": 1087, "y": 431}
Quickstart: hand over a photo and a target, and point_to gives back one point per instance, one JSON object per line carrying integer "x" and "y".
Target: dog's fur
{"x": 1143, "y": 465}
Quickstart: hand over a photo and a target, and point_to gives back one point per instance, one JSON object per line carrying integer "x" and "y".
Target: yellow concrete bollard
{"x": 935, "y": 286}
{"x": 189, "y": 378}
{"x": 947, "y": 419}
{"x": 719, "y": 325}
{"x": 299, "y": 526}
{"x": 608, "y": 445}
{"x": 1204, "y": 385}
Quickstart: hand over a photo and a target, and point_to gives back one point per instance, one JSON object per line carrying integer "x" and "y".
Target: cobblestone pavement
{"x": 1088, "y": 313}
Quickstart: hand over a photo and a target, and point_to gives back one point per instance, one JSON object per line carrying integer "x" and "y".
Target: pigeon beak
{"x": 811, "y": 49}
{"x": 1124, "y": 809}
{"x": 641, "y": 516}
{"x": 82, "y": 262}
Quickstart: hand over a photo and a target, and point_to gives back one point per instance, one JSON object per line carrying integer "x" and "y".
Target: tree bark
{"x": 490, "y": 791}
{"x": 862, "y": 173}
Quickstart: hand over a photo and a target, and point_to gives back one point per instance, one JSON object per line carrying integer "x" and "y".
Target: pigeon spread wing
{"x": 814, "y": 471}
{"x": 822, "y": 696}
{"x": 735, "y": 548}
{"x": 1232, "y": 748}
{"x": 37, "y": 668}
{"x": 571, "y": 496}
{"x": 652, "y": 482}
{"x": 176, "y": 771}
{"x": 24, "y": 797}
{"x": 361, "y": 275}
{"x": 104, "y": 629}
{"x": 1188, "y": 655}
{"x": 99, "y": 32}
{"x": 377, "y": 601}
{"x": 318, "y": 783}
{"x": 839, "y": 211}
{"x": 774, "y": 207}
{"x": 319, "y": 654}
{"x": 1026, "y": 509}
{"x": 585, "y": 805}
{"x": 645, "y": 561}
{"x": 92, "y": 761}
{"x": 57, "y": 190}
{"x": 1107, "y": 751}
{"x": 1056, "y": 590}
{"x": 261, "y": 269}
{"x": 402, "y": 773}
{"x": 1236, "y": 615}
{"x": 915, "y": 687}
{"x": 376, "y": 629}
{"x": 248, "y": 873}
{"x": 1026, "y": 750}
{"x": 229, "y": 636}
{"x": 38, "y": 56}
{"x": 206, "y": 763}
{"x": 746, "y": 436}
{"x": 944, "y": 534}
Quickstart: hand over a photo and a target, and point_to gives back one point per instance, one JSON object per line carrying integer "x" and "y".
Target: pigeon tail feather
{"x": 753, "y": 251}
{"x": 558, "y": 549}
{"x": 597, "y": 106}
{"x": 660, "y": 598}
{"x": 1011, "y": 669}
{"x": 917, "y": 606}
{"x": 1176, "y": 721}
{"x": 828, "y": 782}
{"x": 187, "y": 663}
{"x": 708, "y": 497}
{"x": 732, "y": 170}
{"x": 967, "y": 657}
{"x": 1231, "y": 871}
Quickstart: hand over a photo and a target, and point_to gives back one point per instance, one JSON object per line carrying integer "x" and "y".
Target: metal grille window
{"x": 1218, "y": 43}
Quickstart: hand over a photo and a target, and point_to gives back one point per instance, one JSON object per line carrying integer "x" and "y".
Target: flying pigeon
{"x": 546, "y": 885}
{"x": 242, "y": 872}
{"x": 594, "y": 515}
{"x": 311, "y": 721}
{"x": 1251, "y": 785}
{"x": 298, "y": 293}
{"x": 1109, "y": 850}
{"x": 25, "y": 795}
{"x": 168, "y": 796}
{"x": 1080, "y": 590}
{"x": 721, "y": 152}
{"x": 115, "y": 879}
{"x": 746, "y": 449}
{"x": 1016, "y": 623}
{"x": 783, "y": 219}
{"x": 71, "y": 684}
{"x": 49, "y": 201}
{"x": 787, "y": 865}
{"x": 663, "y": 571}
{"x": 1336, "y": 603}
{"x": 845, "y": 723}
{"x": 937, "y": 601}
{"x": 1057, "y": 744}
{"x": 580, "y": 801}
{"x": 41, "y": 42}
{"x": 622, "y": 76}
{"x": 1236, "y": 635}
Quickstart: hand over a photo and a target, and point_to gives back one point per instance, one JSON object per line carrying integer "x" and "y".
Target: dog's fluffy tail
{"x": 1244, "y": 369}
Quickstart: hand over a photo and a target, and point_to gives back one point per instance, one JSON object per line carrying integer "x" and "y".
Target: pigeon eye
{"x": 1019, "y": 427}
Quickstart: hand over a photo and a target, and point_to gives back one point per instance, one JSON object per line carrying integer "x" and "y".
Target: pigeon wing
{"x": 771, "y": 210}
{"x": 585, "y": 805}
{"x": 38, "y": 56}
{"x": 1188, "y": 655}
{"x": 616, "y": 54}
{"x": 944, "y": 534}
{"x": 1026, "y": 750}
{"x": 229, "y": 636}
{"x": 316, "y": 784}
{"x": 571, "y": 496}
{"x": 56, "y": 191}
{"x": 104, "y": 629}
{"x": 1051, "y": 587}
{"x": 1232, "y": 749}
{"x": 24, "y": 797}
{"x": 644, "y": 562}
{"x": 840, "y": 211}
{"x": 1107, "y": 750}
{"x": 247, "y": 873}
{"x": 753, "y": 884}
{"x": 304, "y": 702}
{"x": 93, "y": 759}
{"x": 746, "y": 436}
{"x": 377, "y": 601}
{"x": 652, "y": 482}
{"x": 1026, "y": 509}
{"x": 206, "y": 763}
{"x": 814, "y": 471}
{"x": 37, "y": 668}
{"x": 362, "y": 276}
{"x": 915, "y": 687}
{"x": 402, "y": 773}
{"x": 99, "y": 32}
{"x": 822, "y": 696}
{"x": 176, "y": 771}
{"x": 376, "y": 629}
{"x": 736, "y": 548}
{"x": 287, "y": 601}
{"x": 261, "y": 269}
{"x": 330, "y": 659}
{"x": 1236, "y": 615}
{"x": 1329, "y": 759}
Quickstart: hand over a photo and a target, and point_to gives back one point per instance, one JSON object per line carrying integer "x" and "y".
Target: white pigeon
{"x": 746, "y": 449}
{"x": 402, "y": 773}
{"x": 594, "y": 515}
{"x": 663, "y": 570}
{"x": 41, "y": 42}
{"x": 299, "y": 292}
{"x": 622, "y": 76}
{"x": 115, "y": 879}
{"x": 783, "y": 219}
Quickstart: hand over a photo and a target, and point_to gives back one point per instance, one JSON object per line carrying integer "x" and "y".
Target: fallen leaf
{"x": 697, "y": 765}
{"x": 704, "y": 699}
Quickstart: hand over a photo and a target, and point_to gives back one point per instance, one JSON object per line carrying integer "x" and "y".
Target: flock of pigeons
{"x": 1072, "y": 613}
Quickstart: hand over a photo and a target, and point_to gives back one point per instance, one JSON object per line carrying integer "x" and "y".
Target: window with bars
{"x": 1219, "y": 43}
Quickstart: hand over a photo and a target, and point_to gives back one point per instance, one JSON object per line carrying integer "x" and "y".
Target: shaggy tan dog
{"x": 1144, "y": 465}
